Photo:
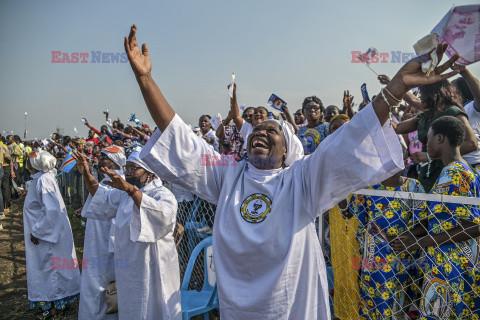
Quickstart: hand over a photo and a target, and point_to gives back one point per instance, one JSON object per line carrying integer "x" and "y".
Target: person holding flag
{"x": 68, "y": 163}
{"x": 98, "y": 246}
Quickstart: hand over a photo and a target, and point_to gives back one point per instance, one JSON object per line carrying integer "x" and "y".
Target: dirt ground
{"x": 13, "y": 279}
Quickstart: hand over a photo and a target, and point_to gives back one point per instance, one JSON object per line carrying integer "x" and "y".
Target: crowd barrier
{"x": 366, "y": 277}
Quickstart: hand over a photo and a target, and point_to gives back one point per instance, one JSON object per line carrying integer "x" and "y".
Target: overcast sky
{"x": 291, "y": 48}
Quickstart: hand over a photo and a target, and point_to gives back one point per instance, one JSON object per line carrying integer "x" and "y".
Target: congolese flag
{"x": 68, "y": 163}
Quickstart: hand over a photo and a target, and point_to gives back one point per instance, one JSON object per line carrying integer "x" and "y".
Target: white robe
{"x": 52, "y": 268}
{"x": 274, "y": 269}
{"x": 148, "y": 279}
{"x": 98, "y": 268}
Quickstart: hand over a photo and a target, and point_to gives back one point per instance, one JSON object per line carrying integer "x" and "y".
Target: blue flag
{"x": 365, "y": 97}
{"x": 68, "y": 163}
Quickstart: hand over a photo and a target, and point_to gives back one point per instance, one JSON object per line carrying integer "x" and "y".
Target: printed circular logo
{"x": 313, "y": 139}
{"x": 255, "y": 208}
{"x": 436, "y": 301}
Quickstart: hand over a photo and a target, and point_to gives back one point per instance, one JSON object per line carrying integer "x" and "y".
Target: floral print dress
{"x": 386, "y": 278}
{"x": 451, "y": 288}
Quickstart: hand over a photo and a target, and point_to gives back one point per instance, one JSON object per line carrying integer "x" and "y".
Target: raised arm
{"x": 220, "y": 133}
{"x": 234, "y": 110}
{"x": 408, "y": 77}
{"x": 287, "y": 114}
{"x": 161, "y": 112}
{"x": 61, "y": 147}
{"x": 82, "y": 165}
{"x": 348, "y": 104}
{"x": 140, "y": 134}
{"x": 470, "y": 142}
{"x": 472, "y": 82}
{"x": 409, "y": 97}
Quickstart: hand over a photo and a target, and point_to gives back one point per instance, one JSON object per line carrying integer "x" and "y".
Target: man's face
{"x": 133, "y": 170}
{"x": 298, "y": 117}
{"x": 330, "y": 112}
{"x": 9, "y": 139}
{"x": 204, "y": 124}
{"x": 91, "y": 133}
{"x": 267, "y": 144}
{"x": 312, "y": 112}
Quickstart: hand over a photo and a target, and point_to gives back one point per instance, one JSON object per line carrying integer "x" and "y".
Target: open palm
{"x": 139, "y": 60}
{"x": 412, "y": 75}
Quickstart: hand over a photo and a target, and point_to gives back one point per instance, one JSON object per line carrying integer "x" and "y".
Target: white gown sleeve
{"x": 155, "y": 218}
{"x": 104, "y": 204}
{"x": 359, "y": 154}
{"x": 49, "y": 227}
{"x": 180, "y": 157}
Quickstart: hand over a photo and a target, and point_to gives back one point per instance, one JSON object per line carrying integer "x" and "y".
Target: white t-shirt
{"x": 474, "y": 121}
{"x": 268, "y": 261}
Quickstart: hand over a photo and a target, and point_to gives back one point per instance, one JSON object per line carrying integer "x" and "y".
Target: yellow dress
{"x": 345, "y": 264}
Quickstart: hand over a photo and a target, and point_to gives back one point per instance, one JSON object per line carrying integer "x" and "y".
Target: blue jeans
{"x": 1, "y": 196}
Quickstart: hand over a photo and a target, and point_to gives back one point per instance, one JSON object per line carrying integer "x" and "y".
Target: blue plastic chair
{"x": 330, "y": 286}
{"x": 198, "y": 302}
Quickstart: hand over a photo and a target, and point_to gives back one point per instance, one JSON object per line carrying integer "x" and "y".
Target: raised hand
{"x": 233, "y": 100}
{"x": 82, "y": 163}
{"x": 139, "y": 60}
{"x": 459, "y": 67}
{"x": 347, "y": 98}
{"x": 117, "y": 181}
{"x": 383, "y": 79}
{"x": 412, "y": 76}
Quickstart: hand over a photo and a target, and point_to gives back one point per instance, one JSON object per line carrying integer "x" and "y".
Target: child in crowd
{"x": 449, "y": 232}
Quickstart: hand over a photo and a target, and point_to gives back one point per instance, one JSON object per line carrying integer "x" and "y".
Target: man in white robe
{"x": 98, "y": 267}
{"x": 53, "y": 276}
{"x": 268, "y": 261}
{"x": 148, "y": 279}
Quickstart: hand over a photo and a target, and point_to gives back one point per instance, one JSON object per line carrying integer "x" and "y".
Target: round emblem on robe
{"x": 255, "y": 208}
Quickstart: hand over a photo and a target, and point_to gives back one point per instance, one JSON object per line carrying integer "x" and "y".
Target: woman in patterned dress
{"x": 449, "y": 232}
{"x": 385, "y": 277}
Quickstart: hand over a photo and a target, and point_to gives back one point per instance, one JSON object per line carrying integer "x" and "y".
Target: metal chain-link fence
{"x": 405, "y": 255}
{"x": 432, "y": 273}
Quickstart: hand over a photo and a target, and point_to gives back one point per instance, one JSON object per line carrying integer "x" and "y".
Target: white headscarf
{"x": 135, "y": 158}
{"x": 293, "y": 144}
{"x": 116, "y": 154}
{"x": 42, "y": 160}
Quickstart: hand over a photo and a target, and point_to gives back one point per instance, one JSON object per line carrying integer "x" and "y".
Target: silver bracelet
{"x": 390, "y": 107}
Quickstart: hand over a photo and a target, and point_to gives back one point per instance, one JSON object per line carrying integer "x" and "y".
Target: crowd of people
{"x": 272, "y": 177}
